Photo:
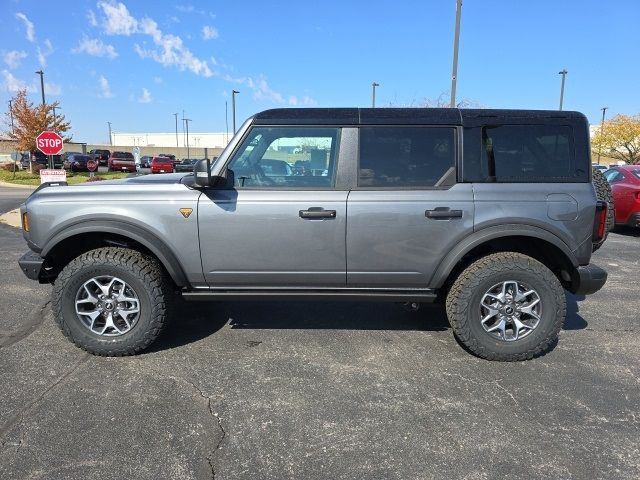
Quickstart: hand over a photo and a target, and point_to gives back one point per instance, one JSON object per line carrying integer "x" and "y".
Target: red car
{"x": 625, "y": 185}
{"x": 122, "y": 161}
{"x": 161, "y": 165}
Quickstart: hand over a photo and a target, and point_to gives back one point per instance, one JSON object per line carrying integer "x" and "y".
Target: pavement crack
{"x": 19, "y": 416}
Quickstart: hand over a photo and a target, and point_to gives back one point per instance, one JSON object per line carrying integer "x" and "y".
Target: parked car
{"x": 145, "y": 161}
{"x": 173, "y": 158}
{"x": 497, "y": 231}
{"x": 602, "y": 168}
{"x": 186, "y": 165}
{"x": 122, "y": 161}
{"x": 40, "y": 158}
{"x": 162, "y": 165}
{"x": 101, "y": 156}
{"x": 625, "y": 186}
{"x": 66, "y": 155}
{"x": 76, "y": 162}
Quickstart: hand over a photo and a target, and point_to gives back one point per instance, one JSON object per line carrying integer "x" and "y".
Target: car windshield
{"x": 162, "y": 160}
{"x": 123, "y": 155}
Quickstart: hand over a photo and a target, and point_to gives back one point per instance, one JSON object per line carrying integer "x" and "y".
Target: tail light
{"x": 600, "y": 223}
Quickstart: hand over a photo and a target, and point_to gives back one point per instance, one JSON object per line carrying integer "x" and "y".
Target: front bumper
{"x": 31, "y": 264}
{"x": 588, "y": 279}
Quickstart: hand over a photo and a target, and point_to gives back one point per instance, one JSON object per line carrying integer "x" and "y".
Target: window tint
{"x": 526, "y": 153}
{"x": 613, "y": 176}
{"x": 405, "y": 156}
{"x": 286, "y": 157}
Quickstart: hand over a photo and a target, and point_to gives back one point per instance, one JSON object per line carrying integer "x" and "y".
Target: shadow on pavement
{"x": 574, "y": 321}
{"x": 627, "y": 231}
{"x": 195, "y": 321}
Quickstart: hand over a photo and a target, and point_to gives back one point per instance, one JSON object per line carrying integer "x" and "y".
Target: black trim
{"x": 426, "y": 296}
{"x": 31, "y": 264}
{"x": 587, "y": 279}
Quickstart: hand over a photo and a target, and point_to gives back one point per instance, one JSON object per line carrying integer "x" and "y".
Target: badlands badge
{"x": 186, "y": 212}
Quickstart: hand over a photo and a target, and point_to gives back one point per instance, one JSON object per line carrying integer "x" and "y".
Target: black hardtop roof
{"x": 404, "y": 116}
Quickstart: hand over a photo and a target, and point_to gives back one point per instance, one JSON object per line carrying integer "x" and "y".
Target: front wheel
{"x": 506, "y": 306}
{"x": 112, "y": 301}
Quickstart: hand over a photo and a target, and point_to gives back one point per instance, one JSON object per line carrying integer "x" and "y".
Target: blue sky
{"x": 135, "y": 63}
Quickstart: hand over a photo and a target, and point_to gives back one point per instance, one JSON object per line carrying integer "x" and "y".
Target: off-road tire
{"x": 603, "y": 192}
{"x": 141, "y": 271}
{"x": 465, "y": 295}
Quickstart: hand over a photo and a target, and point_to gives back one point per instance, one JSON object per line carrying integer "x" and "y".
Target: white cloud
{"x": 13, "y": 84}
{"x": 146, "y": 96}
{"x": 171, "y": 51}
{"x": 92, "y": 18}
{"x": 209, "y": 33}
{"x": 118, "y": 20}
{"x": 13, "y": 58}
{"x": 96, "y": 48}
{"x": 105, "y": 88}
{"x": 158, "y": 80}
{"x": 52, "y": 89}
{"x": 43, "y": 54}
{"x": 28, "y": 24}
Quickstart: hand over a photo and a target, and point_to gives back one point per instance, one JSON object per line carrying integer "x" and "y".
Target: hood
{"x": 137, "y": 179}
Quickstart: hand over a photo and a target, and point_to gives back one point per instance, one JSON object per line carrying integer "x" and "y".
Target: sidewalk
{"x": 12, "y": 218}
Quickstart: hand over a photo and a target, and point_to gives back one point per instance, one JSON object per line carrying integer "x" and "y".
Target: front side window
{"x": 286, "y": 157}
{"x": 531, "y": 153}
{"x": 410, "y": 157}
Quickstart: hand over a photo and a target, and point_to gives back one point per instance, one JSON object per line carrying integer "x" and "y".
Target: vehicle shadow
{"x": 627, "y": 231}
{"x": 574, "y": 321}
{"x": 194, "y": 321}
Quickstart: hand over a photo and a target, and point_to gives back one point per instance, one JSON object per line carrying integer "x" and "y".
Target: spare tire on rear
{"x": 603, "y": 193}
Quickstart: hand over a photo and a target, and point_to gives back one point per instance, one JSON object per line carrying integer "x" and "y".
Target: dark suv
{"x": 491, "y": 212}
{"x": 101, "y": 156}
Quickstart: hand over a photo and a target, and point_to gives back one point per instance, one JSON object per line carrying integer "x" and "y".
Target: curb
{"x": 16, "y": 185}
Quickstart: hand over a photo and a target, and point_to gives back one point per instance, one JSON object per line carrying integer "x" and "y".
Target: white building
{"x": 168, "y": 140}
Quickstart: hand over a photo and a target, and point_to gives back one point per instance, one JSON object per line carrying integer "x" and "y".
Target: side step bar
{"x": 423, "y": 295}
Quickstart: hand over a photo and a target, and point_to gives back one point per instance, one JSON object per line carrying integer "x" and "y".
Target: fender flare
{"x": 479, "y": 237}
{"x": 151, "y": 241}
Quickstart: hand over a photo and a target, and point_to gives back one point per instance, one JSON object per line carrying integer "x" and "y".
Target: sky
{"x": 136, "y": 63}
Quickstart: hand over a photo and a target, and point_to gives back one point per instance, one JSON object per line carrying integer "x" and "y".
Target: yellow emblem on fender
{"x": 186, "y": 212}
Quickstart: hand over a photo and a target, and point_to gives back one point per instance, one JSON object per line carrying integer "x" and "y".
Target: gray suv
{"x": 490, "y": 211}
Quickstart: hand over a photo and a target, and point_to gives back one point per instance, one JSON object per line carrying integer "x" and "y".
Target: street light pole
{"x": 11, "y": 115}
{"x": 226, "y": 120}
{"x": 373, "y": 94}
{"x": 562, "y": 72}
{"x": 456, "y": 44}
{"x": 41, "y": 73}
{"x": 233, "y": 107}
{"x": 186, "y": 122}
{"x": 110, "y": 140}
{"x": 604, "y": 109}
{"x": 176, "y": 115}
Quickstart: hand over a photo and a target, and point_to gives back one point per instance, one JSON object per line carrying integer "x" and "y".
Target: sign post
{"x": 50, "y": 143}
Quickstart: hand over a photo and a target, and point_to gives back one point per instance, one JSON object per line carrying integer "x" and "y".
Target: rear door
{"x": 407, "y": 210}
{"x": 283, "y": 221}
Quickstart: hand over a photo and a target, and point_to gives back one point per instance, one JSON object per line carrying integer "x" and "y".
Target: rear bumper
{"x": 31, "y": 264}
{"x": 588, "y": 279}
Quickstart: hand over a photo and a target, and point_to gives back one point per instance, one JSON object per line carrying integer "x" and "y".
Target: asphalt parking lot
{"x": 317, "y": 391}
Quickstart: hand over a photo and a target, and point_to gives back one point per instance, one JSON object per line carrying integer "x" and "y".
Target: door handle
{"x": 443, "y": 213}
{"x": 317, "y": 212}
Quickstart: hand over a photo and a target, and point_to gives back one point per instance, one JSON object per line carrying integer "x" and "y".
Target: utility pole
{"x": 562, "y": 72}
{"x": 233, "y": 107}
{"x": 13, "y": 131}
{"x": 54, "y": 114}
{"x": 604, "y": 109}
{"x": 456, "y": 44}
{"x": 110, "y": 141}
{"x": 176, "y": 115}
{"x": 186, "y": 122}
{"x": 373, "y": 94}
{"x": 41, "y": 73}
{"x": 226, "y": 119}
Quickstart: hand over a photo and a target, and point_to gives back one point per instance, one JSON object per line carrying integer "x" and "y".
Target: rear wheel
{"x": 506, "y": 306}
{"x": 112, "y": 301}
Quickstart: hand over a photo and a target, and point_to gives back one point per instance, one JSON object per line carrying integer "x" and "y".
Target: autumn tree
{"x": 29, "y": 121}
{"x": 619, "y": 138}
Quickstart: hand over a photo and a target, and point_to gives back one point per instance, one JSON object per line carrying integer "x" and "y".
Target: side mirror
{"x": 202, "y": 175}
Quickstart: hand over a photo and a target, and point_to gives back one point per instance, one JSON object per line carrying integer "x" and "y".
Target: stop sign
{"x": 49, "y": 143}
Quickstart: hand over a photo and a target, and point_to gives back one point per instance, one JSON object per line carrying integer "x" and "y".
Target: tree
{"x": 29, "y": 121}
{"x": 441, "y": 101}
{"x": 619, "y": 139}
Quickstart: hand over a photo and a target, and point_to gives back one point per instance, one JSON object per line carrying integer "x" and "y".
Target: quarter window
{"x": 286, "y": 157}
{"x": 405, "y": 156}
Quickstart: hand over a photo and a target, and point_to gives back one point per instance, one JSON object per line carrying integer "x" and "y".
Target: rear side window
{"x": 531, "y": 153}
{"x": 410, "y": 157}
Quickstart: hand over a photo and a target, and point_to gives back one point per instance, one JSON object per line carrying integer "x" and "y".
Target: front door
{"x": 282, "y": 223}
